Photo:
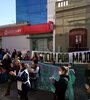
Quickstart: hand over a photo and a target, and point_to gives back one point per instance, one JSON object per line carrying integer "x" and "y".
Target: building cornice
{"x": 72, "y": 7}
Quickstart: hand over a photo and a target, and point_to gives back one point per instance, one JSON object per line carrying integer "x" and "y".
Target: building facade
{"x": 72, "y": 25}
{"x": 36, "y": 12}
{"x": 18, "y": 37}
{"x": 32, "y": 11}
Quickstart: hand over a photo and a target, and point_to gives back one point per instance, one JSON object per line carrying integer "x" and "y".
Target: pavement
{"x": 79, "y": 90}
{"x": 33, "y": 95}
{"x": 36, "y": 95}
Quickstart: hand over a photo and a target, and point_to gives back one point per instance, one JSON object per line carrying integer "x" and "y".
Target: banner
{"x": 65, "y": 57}
{"x": 46, "y": 71}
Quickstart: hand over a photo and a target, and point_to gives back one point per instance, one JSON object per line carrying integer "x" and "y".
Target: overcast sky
{"x": 7, "y": 12}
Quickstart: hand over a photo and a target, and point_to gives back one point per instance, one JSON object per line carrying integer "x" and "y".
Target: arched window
{"x": 78, "y": 39}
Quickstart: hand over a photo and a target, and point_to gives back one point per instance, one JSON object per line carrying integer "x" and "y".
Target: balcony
{"x": 66, "y": 5}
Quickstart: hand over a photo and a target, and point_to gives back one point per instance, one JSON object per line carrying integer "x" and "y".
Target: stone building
{"x": 72, "y": 25}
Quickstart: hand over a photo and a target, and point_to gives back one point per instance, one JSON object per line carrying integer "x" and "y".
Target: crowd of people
{"x": 26, "y": 76}
{"x": 65, "y": 85}
{"x": 15, "y": 70}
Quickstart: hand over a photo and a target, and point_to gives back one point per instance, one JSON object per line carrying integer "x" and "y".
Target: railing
{"x": 63, "y": 5}
{"x": 72, "y": 49}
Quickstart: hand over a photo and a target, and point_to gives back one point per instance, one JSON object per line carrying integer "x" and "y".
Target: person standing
{"x": 15, "y": 66}
{"x": 27, "y": 57}
{"x": 6, "y": 62}
{"x": 23, "y": 83}
{"x": 35, "y": 58}
{"x": 34, "y": 74}
{"x": 61, "y": 84}
{"x": 71, "y": 82}
{"x": 14, "y": 53}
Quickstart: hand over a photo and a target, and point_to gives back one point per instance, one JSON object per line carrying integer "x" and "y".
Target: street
{"x": 79, "y": 89}
{"x": 33, "y": 95}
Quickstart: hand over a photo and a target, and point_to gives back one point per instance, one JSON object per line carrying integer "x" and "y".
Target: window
{"x": 66, "y": 3}
{"x": 62, "y": 3}
{"x": 78, "y": 39}
{"x": 59, "y": 0}
{"x": 59, "y": 4}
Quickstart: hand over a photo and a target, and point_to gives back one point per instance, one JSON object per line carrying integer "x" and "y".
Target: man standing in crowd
{"x": 15, "y": 66}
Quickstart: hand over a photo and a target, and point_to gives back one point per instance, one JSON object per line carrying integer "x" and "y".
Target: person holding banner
{"x": 61, "y": 84}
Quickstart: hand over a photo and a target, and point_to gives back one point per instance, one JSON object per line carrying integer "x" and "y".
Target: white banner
{"x": 60, "y": 57}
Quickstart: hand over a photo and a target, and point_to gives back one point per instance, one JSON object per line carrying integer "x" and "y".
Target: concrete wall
{"x": 62, "y": 42}
{"x": 51, "y": 10}
{"x": 16, "y": 42}
{"x": 51, "y": 17}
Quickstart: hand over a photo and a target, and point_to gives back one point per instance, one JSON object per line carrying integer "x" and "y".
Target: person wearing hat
{"x": 61, "y": 84}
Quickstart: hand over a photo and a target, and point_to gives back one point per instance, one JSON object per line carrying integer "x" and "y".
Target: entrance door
{"x": 42, "y": 44}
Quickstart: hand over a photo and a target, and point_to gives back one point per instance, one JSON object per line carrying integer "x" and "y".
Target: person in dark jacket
{"x": 61, "y": 84}
{"x": 35, "y": 58}
{"x": 23, "y": 82}
{"x": 14, "y": 53}
{"x": 15, "y": 66}
{"x": 6, "y": 62}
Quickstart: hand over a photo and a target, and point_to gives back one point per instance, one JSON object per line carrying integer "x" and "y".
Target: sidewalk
{"x": 35, "y": 95}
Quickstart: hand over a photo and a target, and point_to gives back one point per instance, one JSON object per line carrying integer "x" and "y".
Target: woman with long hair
{"x": 61, "y": 84}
